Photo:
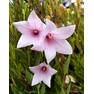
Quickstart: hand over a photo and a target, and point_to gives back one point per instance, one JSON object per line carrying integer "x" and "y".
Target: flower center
{"x": 36, "y": 32}
{"x": 49, "y": 36}
{"x": 44, "y": 68}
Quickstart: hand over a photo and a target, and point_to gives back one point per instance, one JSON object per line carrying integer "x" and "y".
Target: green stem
{"x": 38, "y": 89}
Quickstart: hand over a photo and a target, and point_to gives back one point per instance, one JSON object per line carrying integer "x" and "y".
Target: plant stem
{"x": 54, "y": 10}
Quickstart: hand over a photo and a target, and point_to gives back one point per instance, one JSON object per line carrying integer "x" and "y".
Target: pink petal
{"x": 35, "y": 22}
{"x": 25, "y": 40}
{"x": 50, "y": 25}
{"x": 22, "y": 26}
{"x": 29, "y": 39}
{"x": 50, "y": 54}
{"x": 47, "y": 79}
{"x": 39, "y": 75}
{"x": 64, "y": 32}
{"x": 36, "y": 79}
{"x": 62, "y": 46}
{"x": 37, "y": 48}
{"x": 34, "y": 69}
{"x": 52, "y": 71}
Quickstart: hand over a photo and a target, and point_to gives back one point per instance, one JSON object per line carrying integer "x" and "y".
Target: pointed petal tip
{"x": 49, "y": 86}
{"x": 33, "y": 84}
{"x": 33, "y": 11}
{"x": 71, "y": 51}
{"x": 73, "y": 26}
{"x": 31, "y": 48}
{"x": 29, "y": 67}
{"x": 18, "y": 45}
{"x": 14, "y": 23}
{"x": 55, "y": 71}
{"x": 47, "y": 20}
{"x": 48, "y": 62}
{"x": 50, "y": 55}
{"x": 31, "y": 15}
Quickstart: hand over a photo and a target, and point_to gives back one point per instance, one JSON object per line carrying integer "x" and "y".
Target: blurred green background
{"x": 20, "y": 77}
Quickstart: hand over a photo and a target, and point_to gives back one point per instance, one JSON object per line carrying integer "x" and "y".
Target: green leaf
{"x": 20, "y": 53}
{"x": 42, "y": 89}
{"x": 14, "y": 90}
{"x": 66, "y": 65}
{"x": 63, "y": 92}
{"x": 29, "y": 76}
{"x": 68, "y": 89}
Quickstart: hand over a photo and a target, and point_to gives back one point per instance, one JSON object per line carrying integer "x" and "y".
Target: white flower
{"x": 69, "y": 78}
{"x": 42, "y": 72}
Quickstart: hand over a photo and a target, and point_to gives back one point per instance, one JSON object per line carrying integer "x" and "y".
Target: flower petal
{"x": 22, "y": 26}
{"x": 37, "y": 48}
{"x": 34, "y": 69}
{"x": 29, "y": 39}
{"x": 40, "y": 75}
{"x": 52, "y": 71}
{"x": 47, "y": 79}
{"x": 50, "y": 25}
{"x": 62, "y": 46}
{"x": 25, "y": 40}
{"x": 35, "y": 22}
{"x": 36, "y": 79}
{"x": 64, "y": 32}
{"x": 50, "y": 53}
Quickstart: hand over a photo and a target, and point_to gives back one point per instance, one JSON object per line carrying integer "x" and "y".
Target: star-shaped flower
{"x": 32, "y": 30}
{"x": 42, "y": 72}
{"x": 55, "y": 40}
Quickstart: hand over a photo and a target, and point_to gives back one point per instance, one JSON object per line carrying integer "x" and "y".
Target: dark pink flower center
{"x": 35, "y": 32}
{"x": 44, "y": 68}
{"x": 49, "y": 36}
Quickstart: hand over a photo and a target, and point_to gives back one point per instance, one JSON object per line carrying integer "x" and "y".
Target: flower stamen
{"x": 49, "y": 36}
{"x": 44, "y": 68}
{"x": 36, "y": 32}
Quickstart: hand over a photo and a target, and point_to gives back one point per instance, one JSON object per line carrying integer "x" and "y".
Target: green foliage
{"x": 20, "y": 60}
{"x": 66, "y": 65}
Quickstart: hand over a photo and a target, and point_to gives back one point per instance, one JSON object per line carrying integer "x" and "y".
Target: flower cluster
{"x": 46, "y": 38}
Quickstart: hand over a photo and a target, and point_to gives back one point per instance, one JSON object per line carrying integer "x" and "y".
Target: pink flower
{"x": 32, "y": 30}
{"x": 55, "y": 40}
{"x": 42, "y": 72}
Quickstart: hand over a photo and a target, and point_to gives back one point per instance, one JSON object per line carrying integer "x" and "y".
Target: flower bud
{"x": 62, "y": 8}
{"x": 48, "y": 17}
